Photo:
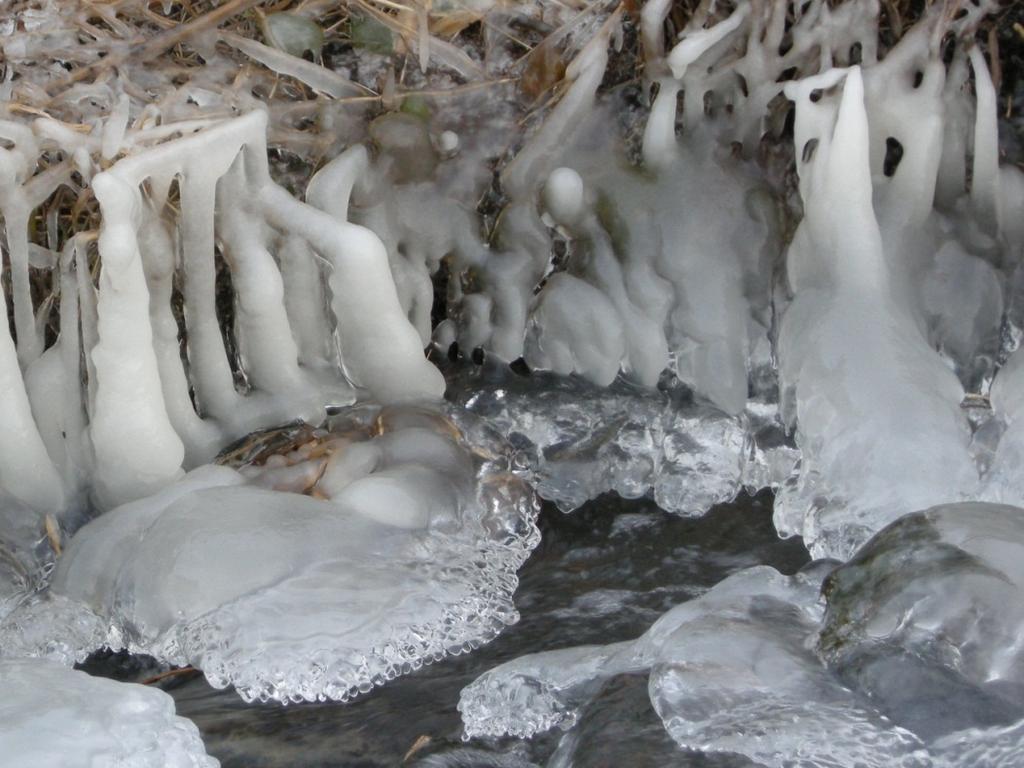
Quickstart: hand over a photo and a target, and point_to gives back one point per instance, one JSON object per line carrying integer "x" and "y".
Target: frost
{"x": 51, "y": 715}
{"x": 406, "y": 552}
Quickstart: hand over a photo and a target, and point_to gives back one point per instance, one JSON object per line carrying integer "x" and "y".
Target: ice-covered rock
{"x": 732, "y": 671}
{"x": 53, "y": 716}
{"x": 912, "y": 659}
{"x": 927, "y": 618}
{"x": 403, "y": 550}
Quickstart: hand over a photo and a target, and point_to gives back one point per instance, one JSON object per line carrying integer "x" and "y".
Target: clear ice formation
{"x": 728, "y": 672}
{"x": 26, "y": 556}
{"x": 403, "y": 551}
{"x": 581, "y": 440}
{"x": 913, "y": 660}
{"x": 928, "y": 617}
{"x": 52, "y": 716}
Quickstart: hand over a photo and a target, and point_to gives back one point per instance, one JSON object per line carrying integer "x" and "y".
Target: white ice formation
{"x": 306, "y": 334}
{"x": 697, "y": 319}
{"x": 872, "y": 268}
{"x": 403, "y": 550}
{"x": 52, "y": 716}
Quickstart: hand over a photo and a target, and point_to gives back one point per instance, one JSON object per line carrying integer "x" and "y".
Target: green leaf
{"x": 293, "y": 34}
{"x": 370, "y": 35}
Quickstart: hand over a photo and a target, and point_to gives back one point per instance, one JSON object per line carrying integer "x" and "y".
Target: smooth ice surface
{"x": 54, "y": 717}
{"x": 928, "y": 616}
{"x": 731, "y": 671}
{"x": 405, "y": 551}
{"x": 582, "y": 440}
{"x": 911, "y": 660}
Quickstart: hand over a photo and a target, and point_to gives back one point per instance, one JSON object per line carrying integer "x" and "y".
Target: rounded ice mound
{"x": 54, "y": 716}
{"x": 731, "y": 671}
{"x": 927, "y": 618}
{"x": 322, "y": 567}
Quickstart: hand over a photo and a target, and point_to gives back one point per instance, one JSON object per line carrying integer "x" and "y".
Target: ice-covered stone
{"x": 53, "y": 716}
{"x": 927, "y": 618}
{"x": 404, "y": 551}
{"x": 731, "y": 671}
{"x": 988, "y": 747}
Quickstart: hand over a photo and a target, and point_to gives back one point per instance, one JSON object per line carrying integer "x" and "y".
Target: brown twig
{"x": 170, "y": 673}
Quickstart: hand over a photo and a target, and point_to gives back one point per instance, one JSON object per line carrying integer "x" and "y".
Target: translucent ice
{"x": 927, "y": 618}
{"x": 26, "y": 556}
{"x": 404, "y": 550}
{"x": 54, "y": 716}
{"x": 731, "y": 671}
{"x": 582, "y": 440}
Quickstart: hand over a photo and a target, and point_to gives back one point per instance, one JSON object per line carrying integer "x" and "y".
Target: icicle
{"x": 380, "y": 351}
{"x": 137, "y": 449}
{"x": 535, "y": 161}
{"x": 985, "y": 169}
{"x": 201, "y": 439}
{"x": 269, "y": 352}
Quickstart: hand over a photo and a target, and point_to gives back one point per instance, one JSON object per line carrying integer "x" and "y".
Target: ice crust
{"x": 52, "y": 716}
{"x": 410, "y": 555}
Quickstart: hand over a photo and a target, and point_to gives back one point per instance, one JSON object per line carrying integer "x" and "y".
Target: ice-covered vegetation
{"x": 736, "y": 245}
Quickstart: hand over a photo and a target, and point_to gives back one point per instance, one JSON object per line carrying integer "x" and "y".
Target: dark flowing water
{"x": 602, "y": 574}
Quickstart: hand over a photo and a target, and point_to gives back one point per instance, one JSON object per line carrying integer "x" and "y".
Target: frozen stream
{"x": 601, "y": 574}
